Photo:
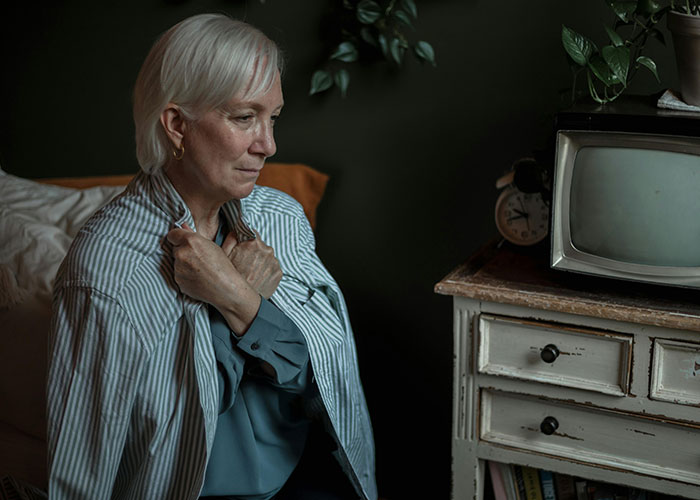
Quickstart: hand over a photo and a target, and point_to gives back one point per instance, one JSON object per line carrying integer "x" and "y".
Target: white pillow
{"x": 37, "y": 224}
{"x": 65, "y": 208}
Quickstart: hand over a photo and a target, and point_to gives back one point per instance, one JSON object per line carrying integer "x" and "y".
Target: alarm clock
{"x": 522, "y": 208}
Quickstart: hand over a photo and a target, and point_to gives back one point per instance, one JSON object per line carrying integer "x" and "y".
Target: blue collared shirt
{"x": 262, "y": 426}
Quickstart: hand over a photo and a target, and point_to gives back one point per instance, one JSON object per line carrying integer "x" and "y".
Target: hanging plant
{"x": 370, "y": 29}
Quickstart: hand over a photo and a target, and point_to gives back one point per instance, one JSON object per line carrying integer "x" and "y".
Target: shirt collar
{"x": 169, "y": 201}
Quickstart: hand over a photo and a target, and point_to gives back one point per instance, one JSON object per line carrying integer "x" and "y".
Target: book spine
{"x": 519, "y": 482}
{"x": 547, "y": 484}
{"x": 499, "y": 491}
{"x": 581, "y": 490}
{"x": 565, "y": 487}
{"x": 532, "y": 484}
{"x": 509, "y": 482}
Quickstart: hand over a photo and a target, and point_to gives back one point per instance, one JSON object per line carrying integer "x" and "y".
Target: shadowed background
{"x": 412, "y": 157}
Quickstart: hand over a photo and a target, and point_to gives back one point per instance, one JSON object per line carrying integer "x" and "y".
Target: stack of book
{"x": 516, "y": 482}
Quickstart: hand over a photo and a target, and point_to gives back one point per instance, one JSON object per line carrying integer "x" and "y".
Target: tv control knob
{"x": 549, "y": 353}
{"x": 549, "y": 425}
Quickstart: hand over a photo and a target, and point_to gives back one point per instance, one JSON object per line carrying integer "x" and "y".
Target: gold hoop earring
{"x": 179, "y": 153}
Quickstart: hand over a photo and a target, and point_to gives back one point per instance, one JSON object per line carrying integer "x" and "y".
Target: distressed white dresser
{"x": 579, "y": 375}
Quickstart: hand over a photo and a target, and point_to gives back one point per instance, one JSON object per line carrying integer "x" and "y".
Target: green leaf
{"x": 601, "y": 70}
{"x": 368, "y": 11}
{"x": 367, "y": 36}
{"x": 410, "y": 7}
{"x": 606, "y": 97}
{"x": 648, "y": 7}
{"x": 396, "y": 50}
{"x": 383, "y": 44}
{"x": 614, "y": 37}
{"x": 577, "y": 46}
{"x": 346, "y": 52}
{"x": 618, "y": 59}
{"x": 658, "y": 35}
{"x": 648, "y": 63}
{"x": 342, "y": 80}
{"x": 402, "y": 17}
{"x": 623, "y": 9}
{"x": 321, "y": 80}
{"x": 425, "y": 52}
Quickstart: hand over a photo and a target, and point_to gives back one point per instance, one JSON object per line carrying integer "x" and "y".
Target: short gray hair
{"x": 198, "y": 64}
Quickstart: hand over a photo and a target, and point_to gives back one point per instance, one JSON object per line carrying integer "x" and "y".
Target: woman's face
{"x": 225, "y": 148}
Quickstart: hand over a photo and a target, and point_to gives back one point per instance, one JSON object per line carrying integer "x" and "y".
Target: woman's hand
{"x": 256, "y": 262}
{"x": 204, "y": 272}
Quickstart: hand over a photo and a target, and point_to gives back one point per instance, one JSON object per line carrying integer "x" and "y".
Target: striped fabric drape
{"x": 132, "y": 394}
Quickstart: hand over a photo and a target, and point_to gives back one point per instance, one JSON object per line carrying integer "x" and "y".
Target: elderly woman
{"x": 198, "y": 346}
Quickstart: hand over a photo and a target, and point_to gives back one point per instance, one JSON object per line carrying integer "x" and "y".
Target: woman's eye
{"x": 274, "y": 118}
{"x": 244, "y": 118}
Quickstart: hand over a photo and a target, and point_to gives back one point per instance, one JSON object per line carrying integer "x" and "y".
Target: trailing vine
{"x": 370, "y": 29}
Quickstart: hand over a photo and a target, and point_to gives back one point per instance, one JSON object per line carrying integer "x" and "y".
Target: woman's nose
{"x": 264, "y": 142}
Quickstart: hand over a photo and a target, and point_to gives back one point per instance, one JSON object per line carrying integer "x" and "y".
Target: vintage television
{"x": 626, "y": 193}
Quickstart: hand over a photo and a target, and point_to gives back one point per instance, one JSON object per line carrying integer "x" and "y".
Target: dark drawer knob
{"x": 549, "y": 425}
{"x": 549, "y": 353}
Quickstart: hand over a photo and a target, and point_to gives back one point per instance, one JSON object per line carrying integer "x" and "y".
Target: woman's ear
{"x": 173, "y": 121}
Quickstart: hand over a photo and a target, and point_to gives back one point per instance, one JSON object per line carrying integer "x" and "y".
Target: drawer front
{"x": 676, "y": 372}
{"x": 592, "y": 435}
{"x": 587, "y": 359}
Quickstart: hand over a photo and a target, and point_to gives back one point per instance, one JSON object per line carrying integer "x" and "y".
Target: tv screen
{"x": 636, "y": 205}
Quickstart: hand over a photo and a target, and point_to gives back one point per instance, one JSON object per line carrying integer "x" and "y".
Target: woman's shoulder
{"x": 115, "y": 243}
{"x": 279, "y": 219}
{"x": 267, "y": 201}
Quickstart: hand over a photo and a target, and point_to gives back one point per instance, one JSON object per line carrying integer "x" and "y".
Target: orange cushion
{"x": 301, "y": 182}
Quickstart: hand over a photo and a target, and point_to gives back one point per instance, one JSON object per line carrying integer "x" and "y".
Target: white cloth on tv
{"x": 669, "y": 100}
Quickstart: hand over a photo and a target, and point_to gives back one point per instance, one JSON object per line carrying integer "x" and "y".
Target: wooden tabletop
{"x": 501, "y": 272}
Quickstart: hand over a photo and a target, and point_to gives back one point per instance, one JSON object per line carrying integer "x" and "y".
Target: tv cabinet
{"x": 585, "y": 376}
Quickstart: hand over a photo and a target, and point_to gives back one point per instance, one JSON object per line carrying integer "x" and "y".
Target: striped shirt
{"x": 132, "y": 389}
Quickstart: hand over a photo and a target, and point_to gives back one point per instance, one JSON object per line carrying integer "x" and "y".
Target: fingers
{"x": 253, "y": 253}
{"x": 256, "y": 261}
{"x": 229, "y": 243}
{"x": 178, "y": 235}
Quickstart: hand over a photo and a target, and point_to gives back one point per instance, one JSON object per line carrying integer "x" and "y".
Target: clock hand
{"x": 522, "y": 205}
{"x": 519, "y": 216}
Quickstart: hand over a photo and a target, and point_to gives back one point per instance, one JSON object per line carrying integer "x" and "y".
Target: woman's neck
{"x": 208, "y": 225}
{"x": 204, "y": 210}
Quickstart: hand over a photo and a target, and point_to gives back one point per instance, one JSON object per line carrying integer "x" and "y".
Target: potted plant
{"x": 610, "y": 69}
{"x": 684, "y": 24}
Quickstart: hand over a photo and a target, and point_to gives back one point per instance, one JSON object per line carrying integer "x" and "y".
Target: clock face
{"x": 522, "y": 218}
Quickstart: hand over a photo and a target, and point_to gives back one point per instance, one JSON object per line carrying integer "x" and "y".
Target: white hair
{"x": 198, "y": 64}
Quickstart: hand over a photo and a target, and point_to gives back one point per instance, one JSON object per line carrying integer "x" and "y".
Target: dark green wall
{"x": 412, "y": 156}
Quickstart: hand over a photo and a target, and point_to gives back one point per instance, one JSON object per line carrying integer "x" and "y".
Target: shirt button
{"x": 254, "y": 346}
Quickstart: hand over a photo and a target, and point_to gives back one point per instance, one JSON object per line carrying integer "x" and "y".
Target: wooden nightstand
{"x": 584, "y": 376}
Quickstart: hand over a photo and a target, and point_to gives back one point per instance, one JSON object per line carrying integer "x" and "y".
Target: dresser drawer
{"x": 592, "y": 435}
{"x": 583, "y": 358}
{"x": 675, "y": 375}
